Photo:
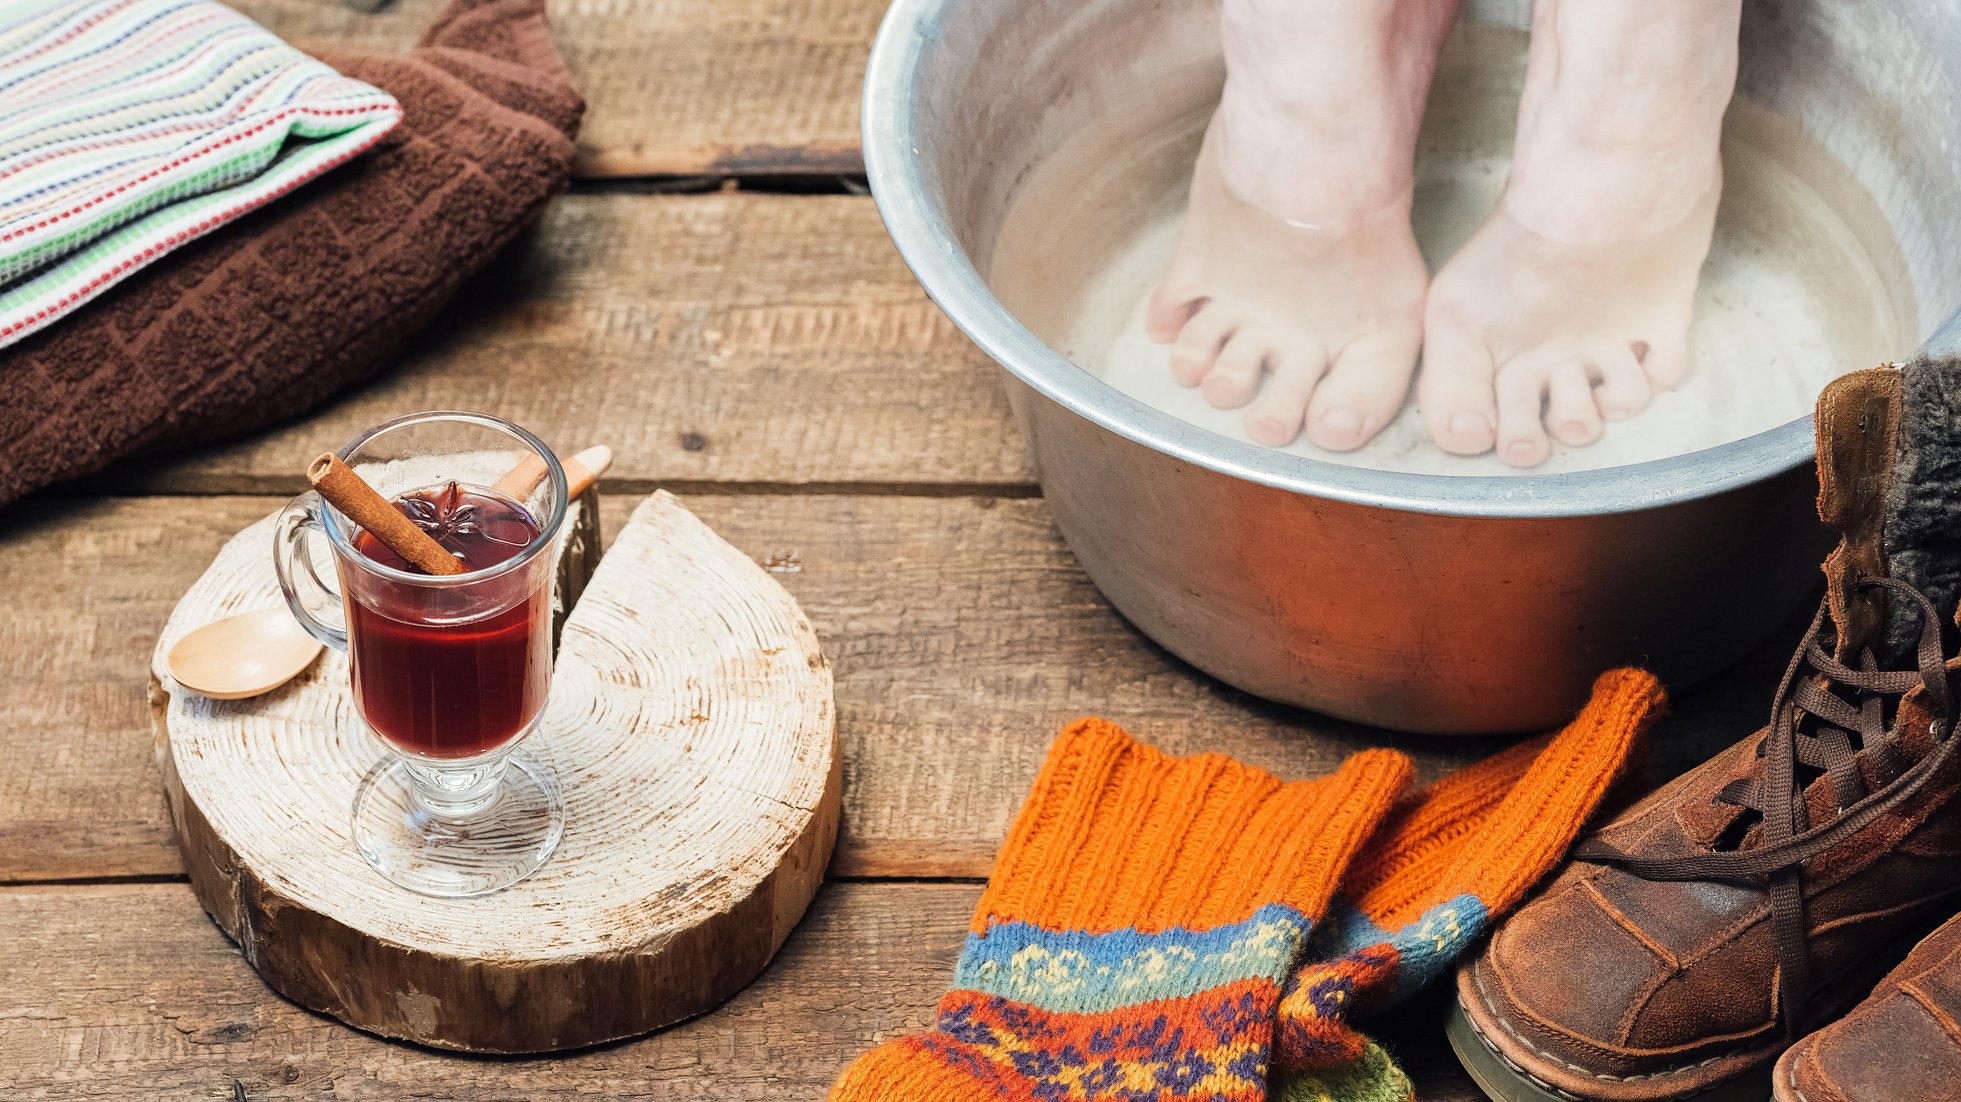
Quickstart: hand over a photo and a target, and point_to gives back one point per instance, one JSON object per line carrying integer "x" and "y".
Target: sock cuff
{"x": 1118, "y": 835}
{"x": 1493, "y": 829}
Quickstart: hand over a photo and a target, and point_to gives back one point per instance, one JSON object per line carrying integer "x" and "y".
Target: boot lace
{"x": 1821, "y": 707}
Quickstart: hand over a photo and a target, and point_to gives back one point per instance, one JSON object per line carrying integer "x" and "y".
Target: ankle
{"x": 1317, "y": 124}
{"x": 1571, "y": 192}
{"x": 1311, "y": 175}
{"x": 1621, "y": 120}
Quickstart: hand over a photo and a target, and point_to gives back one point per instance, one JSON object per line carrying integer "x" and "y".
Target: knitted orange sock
{"x": 1133, "y": 937}
{"x": 1446, "y": 862}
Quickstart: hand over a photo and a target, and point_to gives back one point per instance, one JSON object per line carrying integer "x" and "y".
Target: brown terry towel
{"x": 267, "y": 318}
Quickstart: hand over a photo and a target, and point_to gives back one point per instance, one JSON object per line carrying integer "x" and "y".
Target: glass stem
{"x": 457, "y": 791}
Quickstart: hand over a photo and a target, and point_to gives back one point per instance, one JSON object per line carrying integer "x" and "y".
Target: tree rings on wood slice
{"x": 692, "y": 725}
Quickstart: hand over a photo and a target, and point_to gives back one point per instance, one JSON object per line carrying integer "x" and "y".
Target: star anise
{"x": 449, "y": 515}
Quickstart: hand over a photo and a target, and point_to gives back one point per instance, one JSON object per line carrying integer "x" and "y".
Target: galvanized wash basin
{"x": 1416, "y": 602}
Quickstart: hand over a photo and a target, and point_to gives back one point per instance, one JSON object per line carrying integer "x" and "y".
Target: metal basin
{"x": 1417, "y": 602}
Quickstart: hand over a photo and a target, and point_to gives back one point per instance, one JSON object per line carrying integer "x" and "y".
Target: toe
{"x": 1455, "y": 390}
{"x": 1363, "y": 390}
{"x": 1172, "y": 304}
{"x": 1666, "y": 361}
{"x": 1276, "y": 418}
{"x": 1572, "y": 416}
{"x": 1198, "y": 344}
{"x": 1235, "y": 375}
{"x": 1521, "y": 412}
{"x": 1624, "y": 389}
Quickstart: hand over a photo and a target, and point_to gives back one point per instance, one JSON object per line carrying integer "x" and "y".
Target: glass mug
{"x": 450, "y": 672}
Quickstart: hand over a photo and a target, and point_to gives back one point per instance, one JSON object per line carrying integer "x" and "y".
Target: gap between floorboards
{"x": 180, "y": 878}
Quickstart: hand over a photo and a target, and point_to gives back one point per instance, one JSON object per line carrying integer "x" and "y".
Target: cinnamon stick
{"x": 581, "y": 471}
{"x": 338, "y": 483}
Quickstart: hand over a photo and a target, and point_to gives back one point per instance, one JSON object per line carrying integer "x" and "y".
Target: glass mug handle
{"x": 292, "y": 559}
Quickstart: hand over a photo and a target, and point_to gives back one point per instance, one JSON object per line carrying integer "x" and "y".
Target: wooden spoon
{"x": 581, "y": 471}
{"x": 243, "y": 655}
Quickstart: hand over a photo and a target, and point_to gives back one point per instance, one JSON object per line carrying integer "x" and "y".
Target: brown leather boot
{"x": 1903, "y": 1044}
{"x": 1739, "y": 905}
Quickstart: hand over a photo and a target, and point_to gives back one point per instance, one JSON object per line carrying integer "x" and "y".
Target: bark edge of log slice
{"x": 693, "y": 727}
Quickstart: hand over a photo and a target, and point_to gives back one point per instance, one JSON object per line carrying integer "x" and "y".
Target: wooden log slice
{"x": 692, "y": 724}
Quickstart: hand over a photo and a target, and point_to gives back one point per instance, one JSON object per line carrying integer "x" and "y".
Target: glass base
{"x": 509, "y": 825}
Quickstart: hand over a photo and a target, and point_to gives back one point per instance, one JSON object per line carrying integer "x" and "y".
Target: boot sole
{"x": 1496, "y": 1076}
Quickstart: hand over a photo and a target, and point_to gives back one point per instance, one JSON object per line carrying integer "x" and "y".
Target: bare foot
{"x": 1570, "y": 306}
{"x": 1296, "y": 259}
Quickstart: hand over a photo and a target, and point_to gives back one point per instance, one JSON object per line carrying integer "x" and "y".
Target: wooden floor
{"x": 718, "y": 301}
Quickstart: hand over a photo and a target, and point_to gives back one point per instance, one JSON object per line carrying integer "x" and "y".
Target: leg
{"x": 1571, "y": 304}
{"x": 1296, "y": 259}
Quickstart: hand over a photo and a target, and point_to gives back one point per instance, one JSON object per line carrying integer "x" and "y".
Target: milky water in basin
{"x": 1804, "y": 281}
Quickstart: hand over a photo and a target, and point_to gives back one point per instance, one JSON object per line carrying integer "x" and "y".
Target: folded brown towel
{"x": 268, "y": 317}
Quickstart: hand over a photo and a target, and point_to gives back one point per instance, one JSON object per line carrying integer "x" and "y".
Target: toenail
{"x": 1575, "y": 429}
{"x": 1344, "y": 421}
{"x": 1470, "y": 424}
{"x": 1522, "y": 449}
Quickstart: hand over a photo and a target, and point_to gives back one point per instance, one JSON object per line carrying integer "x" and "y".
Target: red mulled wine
{"x": 456, "y": 670}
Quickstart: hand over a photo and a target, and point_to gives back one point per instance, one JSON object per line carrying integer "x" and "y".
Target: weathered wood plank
{"x": 147, "y": 1000}
{"x": 960, "y": 629}
{"x": 738, "y": 337}
{"x": 86, "y": 584}
{"x": 672, "y": 87}
{"x": 964, "y": 635}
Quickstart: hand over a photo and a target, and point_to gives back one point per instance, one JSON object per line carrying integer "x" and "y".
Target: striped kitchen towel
{"x": 129, "y": 127}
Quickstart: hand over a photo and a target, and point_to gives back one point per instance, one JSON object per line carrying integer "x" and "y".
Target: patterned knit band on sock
{"x": 1132, "y": 940}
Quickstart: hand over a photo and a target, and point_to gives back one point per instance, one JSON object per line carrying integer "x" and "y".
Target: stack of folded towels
{"x": 204, "y": 230}
{"x": 130, "y": 127}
